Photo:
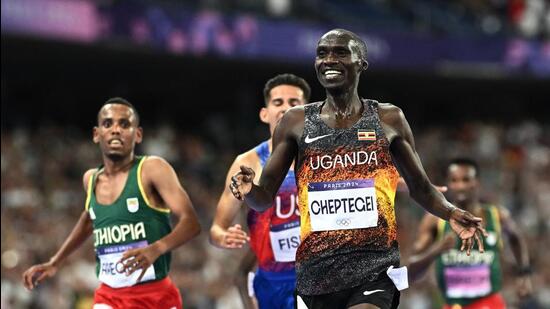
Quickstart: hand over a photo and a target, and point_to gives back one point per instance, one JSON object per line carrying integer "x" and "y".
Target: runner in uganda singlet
{"x": 346, "y": 188}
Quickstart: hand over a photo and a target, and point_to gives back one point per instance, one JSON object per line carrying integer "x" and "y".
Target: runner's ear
{"x": 263, "y": 115}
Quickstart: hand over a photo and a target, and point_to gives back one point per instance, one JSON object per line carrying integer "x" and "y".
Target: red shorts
{"x": 493, "y": 301}
{"x": 161, "y": 294}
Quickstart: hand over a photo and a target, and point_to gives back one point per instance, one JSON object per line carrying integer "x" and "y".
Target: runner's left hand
{"x": 140, "y": 258}
{"x": 468, "y": 228}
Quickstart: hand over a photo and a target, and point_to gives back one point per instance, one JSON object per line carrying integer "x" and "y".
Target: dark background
{"x": 61, "y": 82}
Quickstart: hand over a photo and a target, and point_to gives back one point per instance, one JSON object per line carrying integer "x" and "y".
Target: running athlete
{"x": 274, "y": 233}
{"x": 472, "y": 282}
{"x": 127, "y": 209}
{"x": 344, "y": 149}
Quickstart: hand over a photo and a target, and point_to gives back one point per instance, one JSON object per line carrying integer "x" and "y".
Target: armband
{"x": 524, "y": 271}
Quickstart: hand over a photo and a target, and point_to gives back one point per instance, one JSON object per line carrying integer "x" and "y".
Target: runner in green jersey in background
{"x": 129, "y": 201}
{"x": 469, "y": 281}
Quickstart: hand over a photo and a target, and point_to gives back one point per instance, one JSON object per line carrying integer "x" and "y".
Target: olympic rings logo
{"x": 343, "y": 222}
{"x": 119, "y": 267}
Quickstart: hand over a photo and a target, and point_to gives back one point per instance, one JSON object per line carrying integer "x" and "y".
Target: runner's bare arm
{"x": 521, "y": 252}
{"x": 285, "y": 150}
{"x": 241, "y": 279}
{"x": 410, "y": 167}
{"x": 403, "y": 150}
{"x": 426, "y": 249}
{"x": 402, "y": 186}
{"x": 81, "y": 231}
{"x": 426, "y": 233}
{"x": 160, "y": 176}
{"x": 222, "y": 233}
{"x": 517, "y": 241}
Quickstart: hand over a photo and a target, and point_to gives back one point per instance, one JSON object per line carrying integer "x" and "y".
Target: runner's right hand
{"x": 235, "y": 237}
{"x": 37, "y": 273}
{"x": 241, "y": 183}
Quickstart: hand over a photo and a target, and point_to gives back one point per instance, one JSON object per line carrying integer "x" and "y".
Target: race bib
{"x": 110, "y": 269}
{"x": 342, "y": 205}
{"x": 285, "y": 239}
{"x": 468, "y": 282}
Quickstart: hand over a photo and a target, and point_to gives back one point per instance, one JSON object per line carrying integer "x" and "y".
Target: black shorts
{"x": 380, "y": 292}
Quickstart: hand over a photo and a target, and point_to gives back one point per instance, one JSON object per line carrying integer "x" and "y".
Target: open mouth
{"x": 461, "y": 196}
{"x": 332, "y": 74}
{"x": 115, "y": 142}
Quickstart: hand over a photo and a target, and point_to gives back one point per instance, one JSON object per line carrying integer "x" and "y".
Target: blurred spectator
{"x": 532, "y": 19}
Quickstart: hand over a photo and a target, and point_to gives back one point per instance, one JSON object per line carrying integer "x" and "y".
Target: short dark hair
{"x": 287, "y": 79}
{"x": 122, "y": 101}
{"x": 362, "y": 45}
{"x": 465, "y": 162}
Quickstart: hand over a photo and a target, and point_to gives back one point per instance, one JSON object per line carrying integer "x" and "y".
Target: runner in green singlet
{"x": 127, "y": 210}
{"x": 469, "y": 281}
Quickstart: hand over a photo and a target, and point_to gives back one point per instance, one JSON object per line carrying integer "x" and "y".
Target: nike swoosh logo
{"x": 372, "y": 292}
{"x": 313, "y": 139}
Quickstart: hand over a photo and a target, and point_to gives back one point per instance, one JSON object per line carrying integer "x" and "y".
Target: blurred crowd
{"x": 527, "y": 18}
{"x": 258, "y": 29}
{"x": 43, "y": 195}
{"x": 222, "y": 27}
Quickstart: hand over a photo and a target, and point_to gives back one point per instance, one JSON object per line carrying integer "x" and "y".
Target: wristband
{"x": 451, "y": 209}
{"x": 524, "y": 270}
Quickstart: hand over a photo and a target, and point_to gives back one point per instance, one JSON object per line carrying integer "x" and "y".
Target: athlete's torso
{"x": 346, "y": 189}
{"x": 464, "y": 279}
{"x": 129, "y": 222}
{"x": 274, "y": 233}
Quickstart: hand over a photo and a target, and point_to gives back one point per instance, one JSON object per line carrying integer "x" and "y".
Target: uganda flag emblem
{"x": 366, "y": 135}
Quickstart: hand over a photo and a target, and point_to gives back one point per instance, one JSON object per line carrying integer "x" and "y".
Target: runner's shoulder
{"x": 154, "y": 161}
{"x": 248, "y": 158}
{"x": 294, "y": 113}
{"x": 390, "y": 113}
{"x": 86, "y": 177}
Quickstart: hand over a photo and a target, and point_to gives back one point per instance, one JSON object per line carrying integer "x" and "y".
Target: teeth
{"x": 331, "y": 74}
{"x": 115, "y": 142}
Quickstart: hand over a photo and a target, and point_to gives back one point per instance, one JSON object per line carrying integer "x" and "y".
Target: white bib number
{"x": 110, "y": 269}
{"x": 342, "y": 205}
{"x": 285, "y": 239}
